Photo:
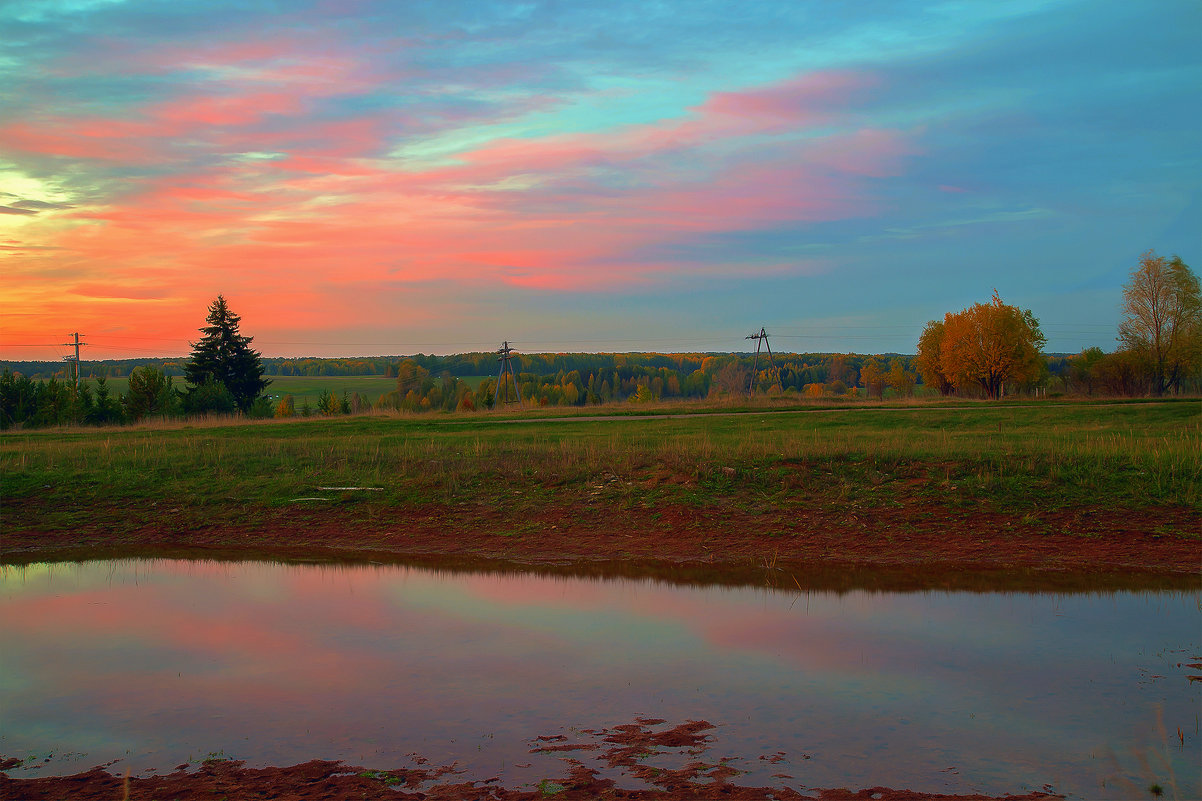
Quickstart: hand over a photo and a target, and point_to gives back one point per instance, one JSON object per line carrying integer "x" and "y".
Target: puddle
{"x": 160, "y": 662}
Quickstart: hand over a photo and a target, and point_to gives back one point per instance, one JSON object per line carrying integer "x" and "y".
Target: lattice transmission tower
{"x": 506, "y": 356}
{"x": 760, "y": 339}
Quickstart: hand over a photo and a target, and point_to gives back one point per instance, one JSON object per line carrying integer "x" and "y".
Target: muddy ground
{"x": 614, "y": 752}
{"x": 909, "y": 546}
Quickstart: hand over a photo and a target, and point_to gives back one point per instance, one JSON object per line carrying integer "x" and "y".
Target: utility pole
{"x": 75, "y": 344}
{"x": 507, "y": 370}
{"x": 760, "y": 339}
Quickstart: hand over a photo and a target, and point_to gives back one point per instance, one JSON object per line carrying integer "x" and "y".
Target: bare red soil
{"x": 912, "y": 539}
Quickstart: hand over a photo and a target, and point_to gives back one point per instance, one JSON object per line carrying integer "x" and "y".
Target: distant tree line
{"x": 440, "y": 383}
{"x": 984, "y": 351}
{"x": 460, "y": 365}
{"x": 579, "y": 379}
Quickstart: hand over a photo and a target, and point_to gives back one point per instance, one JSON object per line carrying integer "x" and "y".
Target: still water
{"x": 157, "y": 662}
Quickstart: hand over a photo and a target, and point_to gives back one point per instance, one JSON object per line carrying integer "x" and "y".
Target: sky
{"x": 374, "y": 178}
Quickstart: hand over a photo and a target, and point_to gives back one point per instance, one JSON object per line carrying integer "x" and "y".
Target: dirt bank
{"x": 911, "y": 539}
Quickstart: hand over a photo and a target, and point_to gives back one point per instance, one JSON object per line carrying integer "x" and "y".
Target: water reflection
{"x": 158, "y": 661}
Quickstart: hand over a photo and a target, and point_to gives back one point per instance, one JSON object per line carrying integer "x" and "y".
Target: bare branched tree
{"x": 1162, "y": 319}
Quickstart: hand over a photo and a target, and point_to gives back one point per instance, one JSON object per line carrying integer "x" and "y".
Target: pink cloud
{"x": 802, "y": 100}
{"x": 182, "y": 114}
{"x": 295, "y": 235}
{"x": 164, "y": 58}
{"x": 868, "y": 151}
{"x": 321, "y": 165}
{"x": 241, "y": 87}
{"x": 756, "y": 196}
{"x": 550, "y": 154}
{"x": 226, "y": 124}
{"x": 95, "y": 290}
{"x": 791, "y": 105}
{"x": 313, "y": 63}
{"x": 87, "y": 139}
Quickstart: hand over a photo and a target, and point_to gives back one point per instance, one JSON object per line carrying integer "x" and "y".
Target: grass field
{"x": 1020, "y": 458}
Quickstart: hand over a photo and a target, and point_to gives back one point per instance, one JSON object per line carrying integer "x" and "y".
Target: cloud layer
{"x": 569, "y": 177}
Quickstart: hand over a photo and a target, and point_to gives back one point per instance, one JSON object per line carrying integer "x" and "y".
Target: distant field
{"x": 303, "y": 387}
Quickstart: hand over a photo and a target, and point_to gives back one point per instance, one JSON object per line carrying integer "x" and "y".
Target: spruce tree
{"x": 224, "y": 358}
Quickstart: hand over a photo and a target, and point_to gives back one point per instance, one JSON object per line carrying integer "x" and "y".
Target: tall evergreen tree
{"x": 224, "y": 357}
{"x": 149, "y": 393}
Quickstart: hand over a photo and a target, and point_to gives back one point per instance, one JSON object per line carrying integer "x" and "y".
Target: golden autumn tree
{"x": 286, "y": 407}
{"x": 989, "y": 345}
{"x": 873, "y": 378}
{"x": 410, "y": 377}
{"x": 570, "y": 394}
{"x": 930, "y": 358}
{"x": 900, "y": 379}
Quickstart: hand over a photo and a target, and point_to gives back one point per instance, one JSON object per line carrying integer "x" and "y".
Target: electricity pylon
{"x": 760, "y": 338}
{"x": 507, "y": 370}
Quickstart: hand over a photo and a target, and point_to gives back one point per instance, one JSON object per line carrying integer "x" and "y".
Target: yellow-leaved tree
{"x": 930, "y": 358}
{"x": 873, "y": 378}
{"x": 987, "y": 345}
{"x": 286, "y": 407}
{"x": 900, "y": 379}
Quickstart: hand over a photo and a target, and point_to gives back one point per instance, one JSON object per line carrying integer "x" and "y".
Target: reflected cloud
{"x": 284, "y": 663}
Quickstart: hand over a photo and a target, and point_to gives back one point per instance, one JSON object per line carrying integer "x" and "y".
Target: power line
{"x": 100, "y": 343}
{"x": 720, "y": 340}
{"x": 803, "y": 332}
{"x": 75, "y": 358}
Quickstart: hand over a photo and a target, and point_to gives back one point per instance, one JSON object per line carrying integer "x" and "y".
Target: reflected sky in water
{"x": 156, "y": 662}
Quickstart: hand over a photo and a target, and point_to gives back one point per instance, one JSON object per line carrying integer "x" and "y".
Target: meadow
{"x": 1026, "y": 460}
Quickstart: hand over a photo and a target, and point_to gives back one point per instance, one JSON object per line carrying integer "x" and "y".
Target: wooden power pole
{"x": 75, "y": 344}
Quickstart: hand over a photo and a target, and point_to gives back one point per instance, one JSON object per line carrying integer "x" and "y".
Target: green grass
{"x": 1021, "y": 458}
{"x": 303, "y": 388}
